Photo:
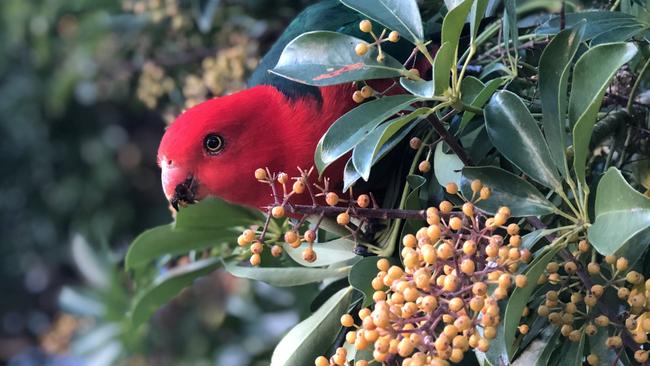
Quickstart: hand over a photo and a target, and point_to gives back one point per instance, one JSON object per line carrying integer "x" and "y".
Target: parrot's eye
{"x": 213, "y": 143}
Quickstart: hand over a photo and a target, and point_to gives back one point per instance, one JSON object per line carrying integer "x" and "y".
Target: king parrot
{"x": 213, "y": 148}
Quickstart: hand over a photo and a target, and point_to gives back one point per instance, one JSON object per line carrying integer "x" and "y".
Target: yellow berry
{"x": 321, "y": 361}
{"x": 583, "y": 246}
{"x": 451, "y": 188}
{"x": 257, "y": 248}
{"x": 446, "y": 207}
{"x": 277, "y": 212}
{"x": 365, "y": 26}
{"x": 357, "y": 97}
{"x": 310, "y": 236}
{"x": 299, "y": 186}
{"x": 367, "y": 91}
{"x": 332, "y": 198}
{"x": 276, "y": 250}
{"x": 476, "y": 185}
{"x": 513, "y": 229}
{"x": 621, "y": 264}
{"x": 393, "y": 36}
{"x": 260, "y": 174}
{"x": 309, "y": 255}
{"x": 593, "y": 268}
{"x": 592, "y": 359}
{"x": 343, "y": 218}
{"x": 523, "y": 329}
{"x": 291, "y": 237}
{"x": 641, "y": 356}
{"x": 255, "y": 260}
{"x": 283, "y": 178}
{"x": 361, "y": 49}
{"x": 424, "y": 166}
{"x": 363, "y": 201}
{"x": 485, "y": 193}
{"x": 249, "y": 235}
{"x": 521, "y": 280}
{"x": 347, "y": 320}
{"x": 455, "y": 223}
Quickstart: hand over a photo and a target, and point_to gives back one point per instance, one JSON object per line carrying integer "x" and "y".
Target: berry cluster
{"x": 573, "y": 304}
{"x": 362, "y": 48}
{"x": 439, "y": 305}
{"x": 300, "y": 185}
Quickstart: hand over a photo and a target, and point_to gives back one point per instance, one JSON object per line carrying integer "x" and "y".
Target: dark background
{"x": 86, "y": 89}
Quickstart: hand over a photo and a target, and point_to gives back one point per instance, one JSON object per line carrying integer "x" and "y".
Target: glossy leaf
{"x": 351, "y": 175}
{"x": 575, "y": 354}
{"x": 399, "y": 15}
{"x": 361, "y": 276}
{"x": 447, "y": 167}
{"x": 550, "y": 347}
{"x": 592, "y": 73}
{"x": 554, "y": 67}
{"x": 329, "y": 252}
{"x": 480, "y": 99}
{"x": 597, "y": 22}
{"x": 622, "y": 222}
{"x": 364, "y": 153}
{"x": 521, "y": 197}
{"x": 328, "y": 58}
{"x": 453, "y": 23}
{"x": 521, "y": 295}
{"x": 529, "y": 240}
{"x": 286, "y": 276}
{"x": 350, "y": 128}
{"x": 167, "y": 286}
{"x": 620, "y": 34}
{"x": 442, "y": 64}
{"x": 514, "y": 132}
{"x": 198, "y": 226}
{"x": 476, "y": 15}
{"x": 312, "y": 337}
{"x": 421, "y": 88}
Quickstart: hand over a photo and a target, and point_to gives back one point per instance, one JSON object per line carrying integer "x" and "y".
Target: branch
{"x": 371, "y": 213}
{"x": 449, "y": 139}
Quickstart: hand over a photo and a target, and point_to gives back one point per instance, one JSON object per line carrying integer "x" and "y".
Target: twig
{"x": 449, "y": 139}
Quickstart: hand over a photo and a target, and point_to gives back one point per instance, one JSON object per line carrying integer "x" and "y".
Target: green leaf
{"x": 446, "y": 167}
{"x": 367, "y": 149}
{"x": 554, "y": 66}
{"x": 592, "y": 73}
{"x": 618, "y": 34}
{"x": 402, "y": 16}
{"x": 361, "y": 276}
{"x": 575, "y": 354}
{"x": 529, "y": 240}
{"x": 480, "y": 99}
{"x": 510, "y": 30}
{"x": 520, "y": 196}
{"x": 476, "y": 15}
{"x": 167, "y": 286}
{"x": 421, "y": 88}
{"x": 622, "y": 222}
{"x": 521, "y": 295}
{"x": 453, "y": 23}
{"x": 351, "y": 175}
{"x": 596, "y": 23}
{"x": 198, "y": 226}
{"x": 442, "y": 64}
{"x": 549, "y": 349}
{"x": 328, "y": 253}
{"x": 313, "y": 336}
{"x": 514, "y": 132}
{"x": 328, "y": 58}
{"x": 286, "y": 276}
{"x": 350, "y": 128}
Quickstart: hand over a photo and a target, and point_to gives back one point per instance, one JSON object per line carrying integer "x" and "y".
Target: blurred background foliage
{"x": 86, "y": 88}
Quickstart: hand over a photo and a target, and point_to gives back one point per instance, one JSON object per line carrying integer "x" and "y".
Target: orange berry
{"x": 521, "y": 280}
{"x": 260, "y": 174}
{"x": 249, "y": 235}
{"x": 257, "y": 248}
{"x": 367, "y": 91}
{"x": 451, "y": 188}
{"x": 361, "y": 49}
{"x": 310, "y": 236}
{"x": 276, "y": 250}
{"x": 393, "y": 36}
{"x": 255, "y": 260}
{"x": 363, "y": 201}
{"x": 309, "y": 255}
{"x": 468, "y": 209}
{"x": 357, "y": 97}
{"x": 485, "y": 193}
{"x": 332, "y": 198}
{"x": 455, "y": 223}
{"x": 446, "y": 207}
{"x": 347, "y": 320}
{"x": 343, "y": 218}
{"x": 321, "y": 361}
{"x": 424, "y": 166}
{"x": 365, "y": 26}
{"x": 278, "y": 212}
{"x": 283, "y": 178}
{"x": 299, "y": 186}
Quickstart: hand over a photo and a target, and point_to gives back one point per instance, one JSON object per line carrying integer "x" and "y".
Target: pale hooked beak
{"x": 180, "y": 186}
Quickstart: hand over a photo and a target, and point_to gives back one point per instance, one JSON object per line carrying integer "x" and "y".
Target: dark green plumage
{"x": 328, "y": 15}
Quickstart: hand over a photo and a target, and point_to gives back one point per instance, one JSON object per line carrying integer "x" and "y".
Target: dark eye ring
{"x": 213, "y": 143}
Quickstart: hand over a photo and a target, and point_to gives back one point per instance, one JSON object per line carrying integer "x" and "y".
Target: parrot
{"x": 213, "y": 148}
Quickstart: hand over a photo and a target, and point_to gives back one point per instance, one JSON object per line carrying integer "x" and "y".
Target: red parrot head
{"x": 214, "y": 148}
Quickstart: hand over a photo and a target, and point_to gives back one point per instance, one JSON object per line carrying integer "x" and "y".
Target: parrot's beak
{"x": 180, "y": 186}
